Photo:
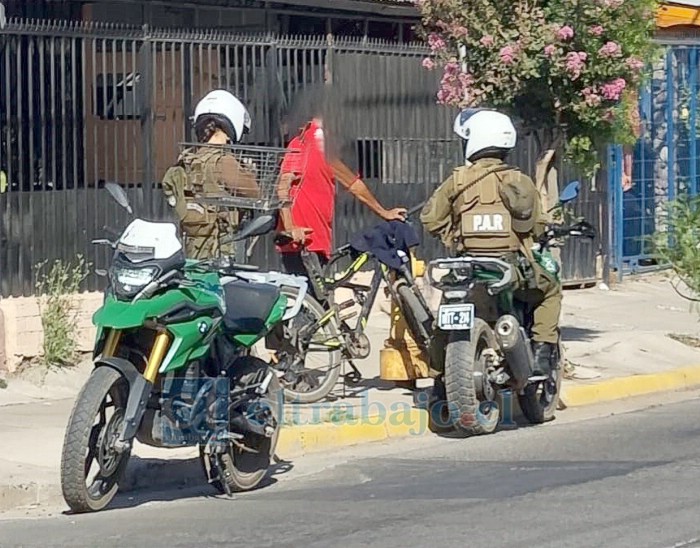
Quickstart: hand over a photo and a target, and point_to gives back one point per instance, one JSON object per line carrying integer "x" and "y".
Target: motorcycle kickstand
{"x": 221, "y": 473}
{"x": 353, "y": 376}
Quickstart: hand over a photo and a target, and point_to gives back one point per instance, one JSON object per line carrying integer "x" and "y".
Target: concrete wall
{"x": 20, "y": 323}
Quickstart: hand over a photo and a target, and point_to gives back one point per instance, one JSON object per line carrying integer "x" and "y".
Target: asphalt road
{"x": 629, "y": 480}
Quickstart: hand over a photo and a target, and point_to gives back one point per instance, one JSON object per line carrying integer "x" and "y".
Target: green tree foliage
{"x": 564, "y": 68}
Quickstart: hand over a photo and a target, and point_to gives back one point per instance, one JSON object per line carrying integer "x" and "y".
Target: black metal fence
{"x": 84, "y": 104}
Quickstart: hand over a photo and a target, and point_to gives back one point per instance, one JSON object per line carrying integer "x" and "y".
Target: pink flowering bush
{"x": 565, "y": 33}
{"x": 610, "y": 49}
{"x": 564, "y": 69}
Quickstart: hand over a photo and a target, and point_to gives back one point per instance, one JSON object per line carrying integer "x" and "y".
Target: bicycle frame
{"x": 364, "y": 295}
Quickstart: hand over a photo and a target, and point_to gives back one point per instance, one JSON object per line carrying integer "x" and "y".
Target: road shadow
{"x": 163, "y": 480}
{"x": 578, "y": 334}
{"x": 440, "y": 423}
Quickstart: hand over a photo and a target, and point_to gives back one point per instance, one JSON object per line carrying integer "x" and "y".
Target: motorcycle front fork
{"x": 140, "y": 386}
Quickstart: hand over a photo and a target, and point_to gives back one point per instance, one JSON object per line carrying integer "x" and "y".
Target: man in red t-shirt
{"x": 309, "y": 177}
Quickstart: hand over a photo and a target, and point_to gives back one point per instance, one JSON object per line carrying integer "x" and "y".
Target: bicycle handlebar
{"x": 415, "y": 209}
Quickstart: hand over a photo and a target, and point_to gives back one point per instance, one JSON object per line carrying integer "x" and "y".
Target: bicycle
{"x": 347, "y": 342}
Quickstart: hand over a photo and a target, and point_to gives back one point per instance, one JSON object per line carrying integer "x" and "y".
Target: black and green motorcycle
{"x": 173, "y": 364}
{"x": 482, "y": 345}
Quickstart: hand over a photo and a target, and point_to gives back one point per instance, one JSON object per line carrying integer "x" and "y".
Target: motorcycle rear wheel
{"x": 87, "y": 443}
{"x": 471, "y": 411}
{"x": 244, "y": 468}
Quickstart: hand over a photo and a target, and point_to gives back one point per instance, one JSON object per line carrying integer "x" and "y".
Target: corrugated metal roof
{"x": 402, "y": 8}
{"x": 693, "y": 3}
{"x": 398, "y": 2}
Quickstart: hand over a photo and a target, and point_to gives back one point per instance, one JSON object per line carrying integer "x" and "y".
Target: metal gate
{"x": 664, "y": 160}
{"x": 82, "y": 104}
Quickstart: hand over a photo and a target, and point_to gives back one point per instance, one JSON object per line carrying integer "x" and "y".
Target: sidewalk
{"x": 617, "y": 336}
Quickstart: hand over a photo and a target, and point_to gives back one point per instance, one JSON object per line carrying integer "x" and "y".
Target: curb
{"x": 301, "y": 440}
{"x": 296, "y": 441}
{"x": 141, "y": 474}
{"x": 627, "y": 387}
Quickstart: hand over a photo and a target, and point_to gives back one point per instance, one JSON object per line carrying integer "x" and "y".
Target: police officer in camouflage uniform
{"x": 211, "y": 171}
{"x": 490, "y": 208}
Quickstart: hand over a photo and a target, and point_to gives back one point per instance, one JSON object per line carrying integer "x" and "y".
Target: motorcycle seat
{"x": 248, "y": 305}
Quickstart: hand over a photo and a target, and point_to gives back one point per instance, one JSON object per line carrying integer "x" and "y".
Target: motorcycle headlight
{"x": 129, "y": 281}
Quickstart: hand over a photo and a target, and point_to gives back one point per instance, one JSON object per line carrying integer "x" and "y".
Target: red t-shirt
{"x": 314, "y": 194}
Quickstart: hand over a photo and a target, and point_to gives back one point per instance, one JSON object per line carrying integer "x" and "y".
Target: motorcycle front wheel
{"x": 539, "y": 401}
{"x": 90, "y": 466}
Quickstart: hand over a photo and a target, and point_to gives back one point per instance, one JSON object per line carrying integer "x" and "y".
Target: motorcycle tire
{"x": 244, "y": 470}
{"x": 470, "y": 412}
{"x": 438, "y": 415}
{"x": 536, "y": 405}
{"x": 84, "y": 439}
{"x": 416, "y": 316}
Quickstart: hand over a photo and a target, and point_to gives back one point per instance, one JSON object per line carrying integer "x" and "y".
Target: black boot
{"x": 546, "y": 358}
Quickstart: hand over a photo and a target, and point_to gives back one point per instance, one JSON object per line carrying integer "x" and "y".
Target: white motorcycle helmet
{"x": 485, "y": 131}
{"x": 226, "y": 110}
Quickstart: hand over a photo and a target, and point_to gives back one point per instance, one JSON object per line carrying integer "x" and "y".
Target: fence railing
{"x": 665, "y": 160}
{"x": 82, "y": 104}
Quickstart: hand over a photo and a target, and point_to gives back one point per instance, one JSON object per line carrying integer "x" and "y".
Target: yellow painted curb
{"x": 301, "y": 440}
{"x": 626, "y": 387}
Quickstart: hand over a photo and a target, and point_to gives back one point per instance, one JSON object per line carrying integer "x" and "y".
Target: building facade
{"x": 373, "y": 19}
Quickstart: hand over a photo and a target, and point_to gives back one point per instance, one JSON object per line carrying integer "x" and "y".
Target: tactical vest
{"x": 194, "y": 177}
{"x": 483, "y": 224}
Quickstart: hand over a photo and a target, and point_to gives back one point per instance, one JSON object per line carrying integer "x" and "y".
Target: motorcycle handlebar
{"x": 581, "y": 229}
{"x": 226, "y": 264}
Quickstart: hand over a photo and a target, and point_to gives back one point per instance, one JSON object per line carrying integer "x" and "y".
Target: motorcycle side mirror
{"x": 257, "y": 227}
{"x": 570, "y": 192}
{"x": 119, "y": 195}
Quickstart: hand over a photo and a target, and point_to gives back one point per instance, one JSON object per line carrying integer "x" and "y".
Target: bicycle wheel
{"x": 309, "y": 369}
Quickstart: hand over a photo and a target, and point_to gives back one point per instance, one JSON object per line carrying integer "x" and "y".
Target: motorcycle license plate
{"x": 456, "y": 317}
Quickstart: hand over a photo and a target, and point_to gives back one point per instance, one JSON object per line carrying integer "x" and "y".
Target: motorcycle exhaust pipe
{"x": 240, "y": 424}
{"x": 518, "y": 353}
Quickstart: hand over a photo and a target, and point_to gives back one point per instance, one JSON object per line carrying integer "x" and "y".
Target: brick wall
{"x": 23, "y": 334}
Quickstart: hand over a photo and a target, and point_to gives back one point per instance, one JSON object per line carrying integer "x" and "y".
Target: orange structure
{"x": 679, "y": 14}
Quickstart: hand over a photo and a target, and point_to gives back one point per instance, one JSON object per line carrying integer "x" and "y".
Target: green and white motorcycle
{"x": 482, "y": 342}
{"x": 173, "y": 366}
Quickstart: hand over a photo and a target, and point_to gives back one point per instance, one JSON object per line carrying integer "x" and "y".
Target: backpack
{"x": 190, "y": 177}
{"x": 174, "y": 183}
